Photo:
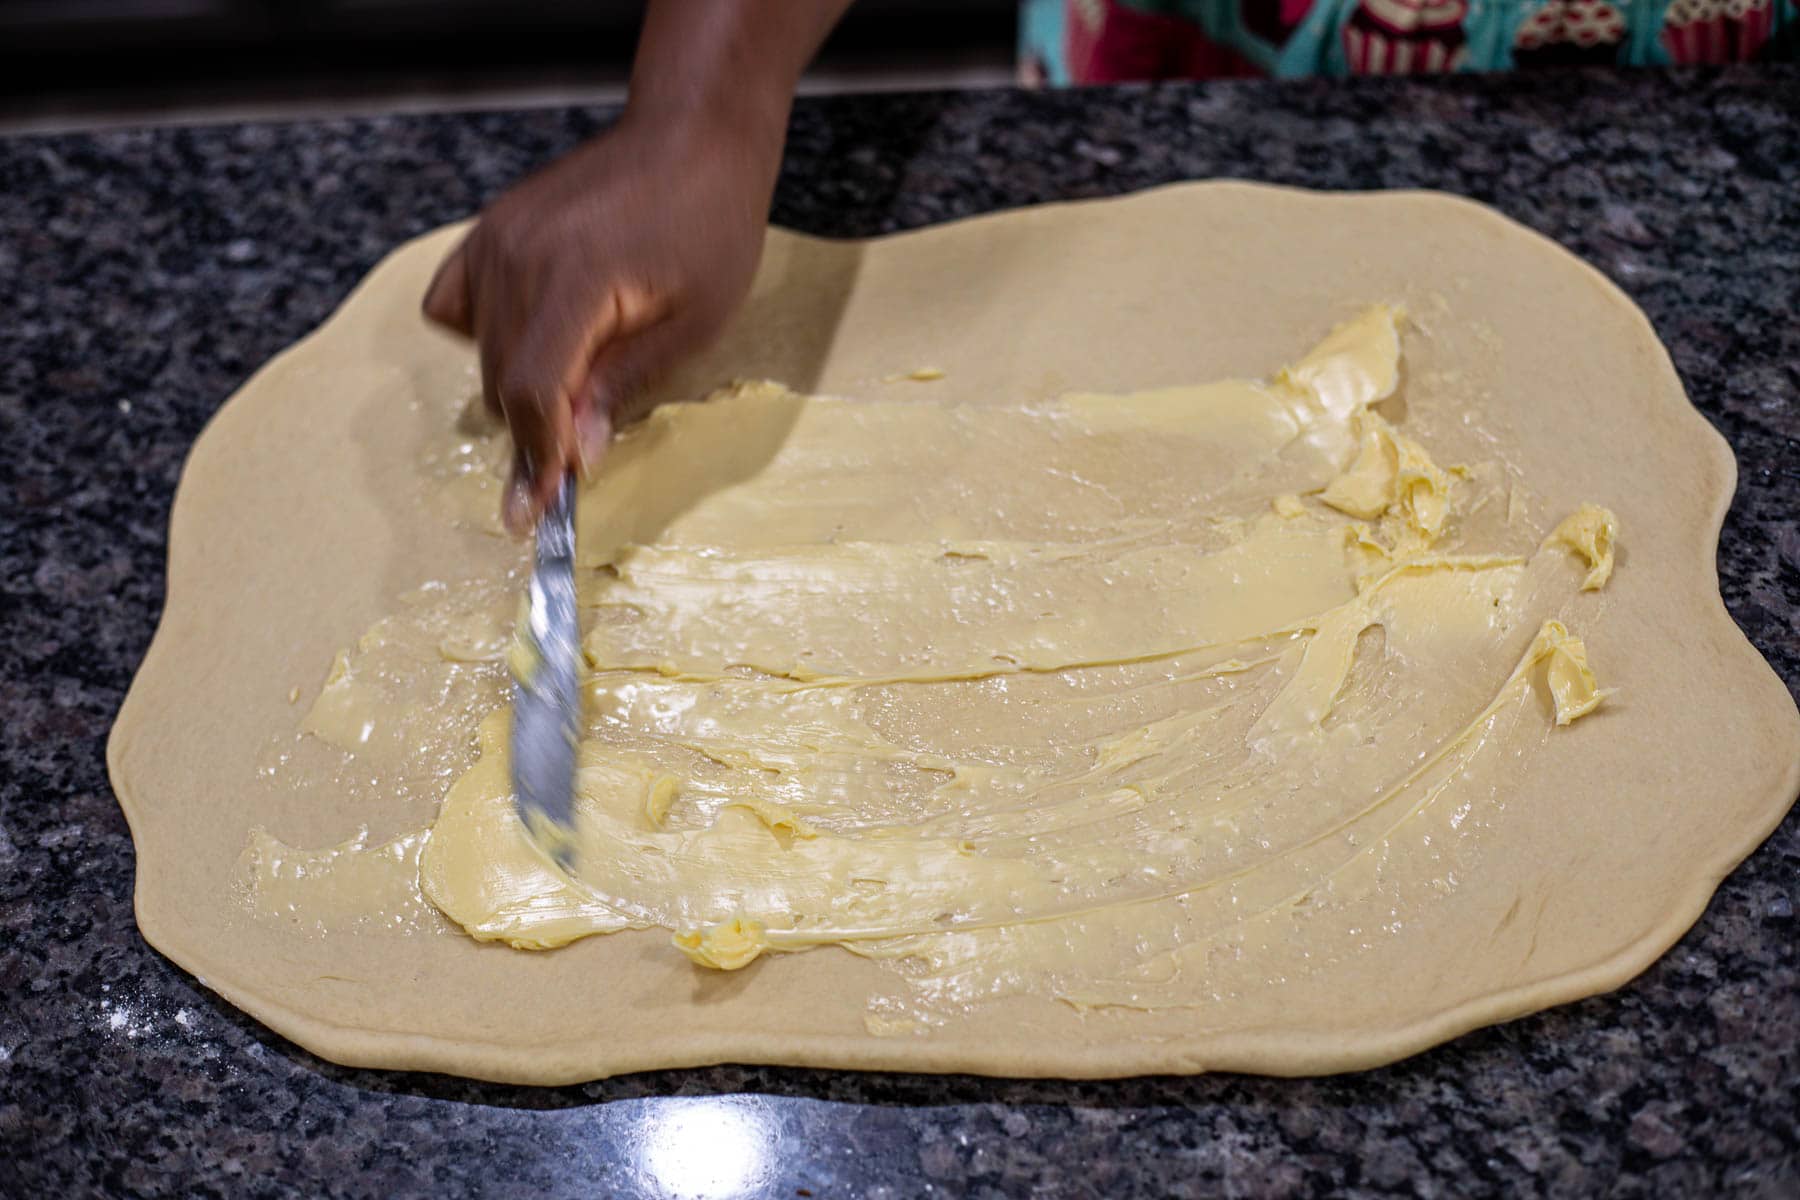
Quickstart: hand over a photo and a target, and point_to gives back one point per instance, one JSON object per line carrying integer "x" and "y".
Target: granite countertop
{"x": 146, "y": 273}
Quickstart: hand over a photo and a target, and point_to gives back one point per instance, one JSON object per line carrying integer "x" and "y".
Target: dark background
{"x": 125, "y": 57}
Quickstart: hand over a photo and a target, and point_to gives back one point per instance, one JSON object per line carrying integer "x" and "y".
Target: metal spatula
{"x": 546, "y": 668}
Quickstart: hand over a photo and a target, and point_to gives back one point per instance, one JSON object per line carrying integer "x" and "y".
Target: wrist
{"x": 741, "y": 137}
{"x": 755, "y": 116}
{"x": 726, "y": 68}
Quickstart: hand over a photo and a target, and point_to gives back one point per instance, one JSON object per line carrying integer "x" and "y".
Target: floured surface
{"x": 1192, "y": 741}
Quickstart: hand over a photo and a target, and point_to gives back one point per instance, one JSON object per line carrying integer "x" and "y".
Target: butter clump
{"x": 659, "y": 797}
{"x": 727, "y": 946}
{"x": 1392, "y": 472}
{"x": 1573, "y": 685}
{"x": 1357, "y": 364}
{"x": 1592, "y": 532}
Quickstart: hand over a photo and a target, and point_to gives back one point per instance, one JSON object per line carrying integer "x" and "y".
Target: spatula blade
{"x": 546, "y": 669}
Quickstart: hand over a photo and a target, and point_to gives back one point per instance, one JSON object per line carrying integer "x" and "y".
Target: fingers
{"x": 619, "y": 379}
{"x": 515, "y": 502}
{"x": 570, "y": 329}
{"x": 593, "y": 433}
{"x": 541, "y": 386}
{"x": 447, "y": 299}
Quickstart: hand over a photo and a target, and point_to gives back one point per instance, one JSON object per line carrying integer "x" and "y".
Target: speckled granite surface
{"x": 143, "y": 275}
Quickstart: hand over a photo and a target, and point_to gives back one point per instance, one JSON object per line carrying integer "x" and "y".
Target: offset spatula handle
{"x": 547, "y": 681}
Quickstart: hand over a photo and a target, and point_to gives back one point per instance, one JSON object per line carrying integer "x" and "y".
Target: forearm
{"x": 732, "y": 61}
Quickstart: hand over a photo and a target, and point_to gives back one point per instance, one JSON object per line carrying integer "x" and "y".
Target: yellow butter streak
{"x": 1039, "y": 697}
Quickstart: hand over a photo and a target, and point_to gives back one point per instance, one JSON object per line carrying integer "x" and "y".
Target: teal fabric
{"x": 1643, "y": 42}
{"x": 1041, "y": 24}
{"x": 1316, "y": 46}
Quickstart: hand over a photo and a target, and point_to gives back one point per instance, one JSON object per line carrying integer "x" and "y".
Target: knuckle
{"x": 641, "y": 304}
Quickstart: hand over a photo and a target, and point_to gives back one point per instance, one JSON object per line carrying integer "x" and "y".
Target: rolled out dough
{"x": 1072, "y": 814}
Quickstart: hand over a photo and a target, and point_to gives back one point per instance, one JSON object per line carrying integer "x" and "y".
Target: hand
{"x": 587, "y": 280}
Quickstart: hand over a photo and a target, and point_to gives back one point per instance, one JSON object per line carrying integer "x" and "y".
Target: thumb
{"x": 447, "y": 298}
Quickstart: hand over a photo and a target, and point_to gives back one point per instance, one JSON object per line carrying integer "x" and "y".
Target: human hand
{"x": 587, "y": 280}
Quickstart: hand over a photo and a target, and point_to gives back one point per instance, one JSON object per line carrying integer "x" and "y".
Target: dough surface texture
{"x": 1069, "y": 715}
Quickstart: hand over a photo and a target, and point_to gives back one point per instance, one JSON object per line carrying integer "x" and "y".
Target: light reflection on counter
{"x": 706, "y": 1148}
